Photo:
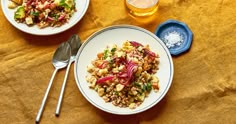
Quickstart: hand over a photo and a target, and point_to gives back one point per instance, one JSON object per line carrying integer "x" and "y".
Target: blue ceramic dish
{"x": 182, "y": 29}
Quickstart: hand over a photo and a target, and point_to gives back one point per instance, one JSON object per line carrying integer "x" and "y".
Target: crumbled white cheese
{"x": 45, "y": 3}
{"x": 120, "y": 53}
{"x": 121, "y": 67}
{"x": 115, "y": 70}
{"x": 140, "y": 48}
{"x": 28, "y": 20}
{"x": 40, "y": 5}
{"x": 47, "y": 11}
{"x": 57, "y": 2}
{"x": 101, "y": 91}
{"x": 102, "y": 72}
{"x": 90, "y": 68}
{"x": 132, "y": 106}
{"x": 119, "y": 87}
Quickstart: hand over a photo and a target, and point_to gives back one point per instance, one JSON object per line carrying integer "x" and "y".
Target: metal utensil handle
{"x": 45, "y": 97}
{"x": 62, "y": 90}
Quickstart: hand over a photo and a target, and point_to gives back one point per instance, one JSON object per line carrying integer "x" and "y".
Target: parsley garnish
{"x": 105, "y": 54}
{"x": 113, "y": 51}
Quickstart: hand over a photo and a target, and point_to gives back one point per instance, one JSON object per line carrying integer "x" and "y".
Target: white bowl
{"x": 81, "y": 7}
{"x": 117, "y": 35}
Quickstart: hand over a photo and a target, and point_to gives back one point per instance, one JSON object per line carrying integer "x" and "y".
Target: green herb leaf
{"x": 144, "y": 88}
{"x": 64, "y": 4}
{"x": 149, "y": 87}
{"x": 105, "y": 54}
{"x": 136, "y": 84}
{"x": 56, "y": 17}
{"x": 34, "y": 13}
{"x": 113, "y": 51}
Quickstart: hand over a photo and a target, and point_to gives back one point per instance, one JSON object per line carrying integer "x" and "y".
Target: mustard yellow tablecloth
{"x": 203, "y": 89}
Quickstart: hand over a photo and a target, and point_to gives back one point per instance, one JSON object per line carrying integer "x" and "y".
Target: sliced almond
{"x": 12, "y": 5}
{"x": 19, "y": 2}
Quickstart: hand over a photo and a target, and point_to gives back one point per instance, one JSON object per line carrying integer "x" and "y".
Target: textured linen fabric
{"x": 203, "y": 89}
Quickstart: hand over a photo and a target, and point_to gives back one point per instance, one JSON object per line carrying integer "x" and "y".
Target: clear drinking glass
{"x": 142, "y": 7}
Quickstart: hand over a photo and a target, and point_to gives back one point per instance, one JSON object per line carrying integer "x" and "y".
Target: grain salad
{"x": 44, "y": 13}
{"x": 124, "y": 75}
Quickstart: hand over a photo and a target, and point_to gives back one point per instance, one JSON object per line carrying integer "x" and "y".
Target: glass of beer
{"x": 142, "y": 7}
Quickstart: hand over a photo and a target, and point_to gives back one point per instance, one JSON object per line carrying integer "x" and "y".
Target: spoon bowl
{"x": 62, "y": 56}
{"x": 75, "y": 43}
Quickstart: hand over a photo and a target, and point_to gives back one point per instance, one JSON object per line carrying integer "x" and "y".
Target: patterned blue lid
{"x": 176, "y": 35}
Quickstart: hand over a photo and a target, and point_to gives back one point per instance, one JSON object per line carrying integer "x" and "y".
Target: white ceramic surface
{"x": 117, "y": 35}
{"x": 81, "y": 6}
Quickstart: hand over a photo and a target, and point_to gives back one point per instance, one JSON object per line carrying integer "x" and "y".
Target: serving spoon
{"x": 75, "y": 44}
{"x": 60, "y": 60}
